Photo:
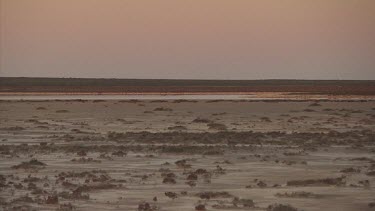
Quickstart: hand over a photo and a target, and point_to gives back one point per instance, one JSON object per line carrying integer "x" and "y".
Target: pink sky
{"x": 206, "y": 39}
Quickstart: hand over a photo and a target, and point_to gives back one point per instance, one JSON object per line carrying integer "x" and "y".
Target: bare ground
{"x": 187, "y": 155}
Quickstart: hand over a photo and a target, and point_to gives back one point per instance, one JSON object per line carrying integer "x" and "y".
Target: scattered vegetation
{"x": 62, "y": 111}
{"x": 281, "y": 207}
{"x": 297, "y": 194}
{"x": 163, "y": 109}
{"x": 317, "y": 182}
{"x": 32, "y": 164}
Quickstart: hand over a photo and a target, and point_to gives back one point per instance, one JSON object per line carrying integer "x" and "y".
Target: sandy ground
{"x": 187, "y": 155}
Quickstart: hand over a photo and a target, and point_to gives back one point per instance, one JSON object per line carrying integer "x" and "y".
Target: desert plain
{"x": 147, "y": 155}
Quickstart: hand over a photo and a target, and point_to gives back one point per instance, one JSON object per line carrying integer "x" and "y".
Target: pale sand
{"x": 69, "y": 127}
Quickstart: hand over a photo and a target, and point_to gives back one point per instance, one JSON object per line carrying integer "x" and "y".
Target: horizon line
{"x": 188, "y": 79}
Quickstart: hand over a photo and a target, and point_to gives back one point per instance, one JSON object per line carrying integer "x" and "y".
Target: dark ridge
{"x": 85, "y": 85}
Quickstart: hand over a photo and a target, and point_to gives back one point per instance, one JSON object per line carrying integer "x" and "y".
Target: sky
{"x": 188, "y": 39}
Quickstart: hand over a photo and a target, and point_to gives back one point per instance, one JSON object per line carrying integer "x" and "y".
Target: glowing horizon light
{"x": 209, "y": 39}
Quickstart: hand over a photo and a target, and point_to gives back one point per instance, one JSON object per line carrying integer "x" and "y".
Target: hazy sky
{"x": 200, "y": 39}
